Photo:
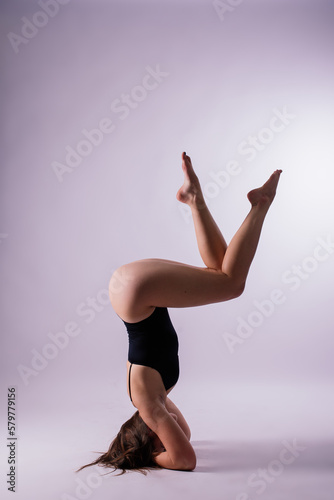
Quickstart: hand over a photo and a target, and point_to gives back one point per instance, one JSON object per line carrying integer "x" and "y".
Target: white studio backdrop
{"x": 99, "y": 99}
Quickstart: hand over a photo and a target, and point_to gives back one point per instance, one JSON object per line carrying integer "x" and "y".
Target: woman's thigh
{"x": 138, "y": 287}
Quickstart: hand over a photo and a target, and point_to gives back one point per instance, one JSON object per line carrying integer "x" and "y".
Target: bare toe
{"x": 190, "y": 191}
{"x": 264, "y": 195}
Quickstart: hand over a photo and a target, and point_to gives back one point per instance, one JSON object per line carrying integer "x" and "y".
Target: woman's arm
{"x": 165, "y": 461}
{"x": 172, "y": 408}
{"x": 179, "y": 454}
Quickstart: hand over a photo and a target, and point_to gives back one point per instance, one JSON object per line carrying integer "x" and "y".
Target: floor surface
{"x": 269, "y": 449}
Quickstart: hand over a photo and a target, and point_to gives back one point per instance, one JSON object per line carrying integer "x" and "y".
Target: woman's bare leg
{"x": 234, "y": 260}
{"x": 210, "y": 241}
{"x": 241, "y": 250}
{"x": 154, "y": 282}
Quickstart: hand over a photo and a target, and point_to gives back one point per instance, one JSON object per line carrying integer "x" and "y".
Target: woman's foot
{"x": 264, "y": 195}
{"x": 190, "y": 192}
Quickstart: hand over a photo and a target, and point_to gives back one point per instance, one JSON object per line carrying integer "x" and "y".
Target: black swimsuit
{"x": 153, "y": 342}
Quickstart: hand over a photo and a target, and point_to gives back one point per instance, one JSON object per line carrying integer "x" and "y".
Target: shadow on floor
{"x": 235, "y": 456}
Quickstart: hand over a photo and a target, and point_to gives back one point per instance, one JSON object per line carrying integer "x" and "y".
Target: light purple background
{"x": 61, "y": 241}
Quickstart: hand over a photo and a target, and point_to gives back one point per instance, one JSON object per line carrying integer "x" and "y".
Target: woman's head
{"x": 134, "y": 447}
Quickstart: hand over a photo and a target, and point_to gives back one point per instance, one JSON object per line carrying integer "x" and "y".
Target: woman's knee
{"x": 239, "y": 288}
{"x": 236, "y": 288}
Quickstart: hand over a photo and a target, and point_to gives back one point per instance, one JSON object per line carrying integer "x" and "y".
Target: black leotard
{"x": 153, "y": 342}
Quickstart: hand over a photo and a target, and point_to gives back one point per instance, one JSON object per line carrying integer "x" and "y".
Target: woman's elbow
{"x": 188, "y": 463}
{"x": 189, "y": 466}
{"x": 192, "y": 465}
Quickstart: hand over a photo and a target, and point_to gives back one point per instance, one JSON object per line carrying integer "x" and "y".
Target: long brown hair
{"x": 132, "y": 449}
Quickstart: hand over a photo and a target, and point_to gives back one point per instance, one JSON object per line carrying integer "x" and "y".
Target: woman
{"x": 158, "y": 435}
